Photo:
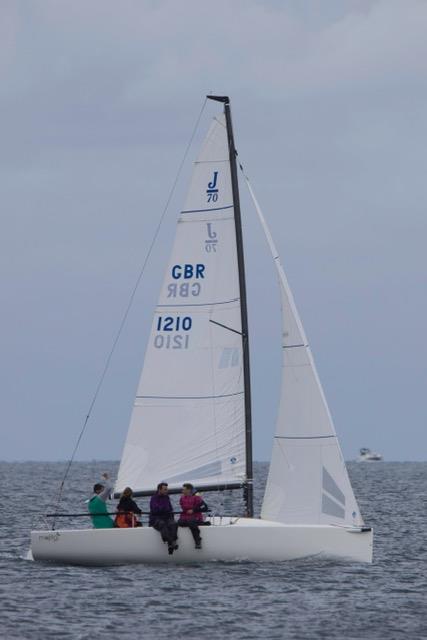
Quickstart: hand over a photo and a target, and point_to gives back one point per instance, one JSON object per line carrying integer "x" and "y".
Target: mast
{"x": 248, "y": 489}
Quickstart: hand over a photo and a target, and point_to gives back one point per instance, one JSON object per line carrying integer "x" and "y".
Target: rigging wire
{"x": 127, "y": 310}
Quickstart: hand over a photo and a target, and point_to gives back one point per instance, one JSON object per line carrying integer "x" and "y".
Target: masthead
{"x": 224, "y": 99}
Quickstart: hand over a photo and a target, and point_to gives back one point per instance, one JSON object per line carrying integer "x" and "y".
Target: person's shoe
{"x": 199, "y": 544}
{"x": 175, "y": 546}
{"x": 170, "y": 550}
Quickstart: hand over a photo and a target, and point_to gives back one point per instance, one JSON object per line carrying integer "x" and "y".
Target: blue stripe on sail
{"x": 226, "y": 395}
{"x": 229, "y": 206}
{"x": 302, "y": 437}
{"x": 199, "y": 304}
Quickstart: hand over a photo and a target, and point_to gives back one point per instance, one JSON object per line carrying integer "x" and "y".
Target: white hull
{"x": 243, "y": 540}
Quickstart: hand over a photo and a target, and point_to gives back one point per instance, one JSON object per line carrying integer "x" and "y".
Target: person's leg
{"x": 159, "y": 525}
{"x": 163, "y": 526}
{"x": 173, "y": 528}
{"x": 194, "y": 528}
{"x": 195, "y": 532}
{"x": 171, "y": 532}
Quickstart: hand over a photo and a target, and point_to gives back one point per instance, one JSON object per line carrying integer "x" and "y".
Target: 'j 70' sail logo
{"x": 212, "y": 190}
{"x": 212, "y": 240}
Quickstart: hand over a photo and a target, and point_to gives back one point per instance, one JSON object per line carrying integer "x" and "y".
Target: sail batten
{"x": 225, "y": 395}
{"x": 229, "y": 206}
{"x": 303, "y": 437}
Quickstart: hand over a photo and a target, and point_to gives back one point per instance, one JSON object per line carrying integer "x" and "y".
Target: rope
{"x": 127, "y": 310}
{"x": 86, "y": 514}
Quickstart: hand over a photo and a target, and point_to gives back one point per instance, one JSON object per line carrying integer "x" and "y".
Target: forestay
{"x": 308, "y": 481}
{"x": 188, "y": 418}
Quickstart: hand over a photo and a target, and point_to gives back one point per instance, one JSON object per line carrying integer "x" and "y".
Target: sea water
{"x": 299, "y": 599}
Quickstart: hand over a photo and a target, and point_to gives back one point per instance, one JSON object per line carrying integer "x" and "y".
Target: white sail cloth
{"x": 308, "y": 481}
{"x": 188, "y": 418}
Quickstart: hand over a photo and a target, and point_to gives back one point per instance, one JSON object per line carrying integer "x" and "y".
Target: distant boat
{"x": 191, "y": 420}
{"x": 366, "y": 455}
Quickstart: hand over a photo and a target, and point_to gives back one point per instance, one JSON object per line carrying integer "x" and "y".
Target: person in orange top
{"x": 127, "y": 510}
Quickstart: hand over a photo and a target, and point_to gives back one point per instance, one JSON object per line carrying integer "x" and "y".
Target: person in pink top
{"x": 193, "y": 507}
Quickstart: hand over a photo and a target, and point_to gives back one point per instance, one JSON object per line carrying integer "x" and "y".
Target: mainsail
{"x": 188, "y": 420}
{"x": 308, "y": 481}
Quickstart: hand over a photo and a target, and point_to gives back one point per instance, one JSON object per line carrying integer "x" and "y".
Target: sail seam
{"x": 302, "y": 437}
{"x": 226, "y": 395}
{"x": 220, "y": 217}
{"x": 229, "y": 206}
{"x": 210, "y": 161}
{"x": 199, "y": 304}
{"x": 293, "y": 346}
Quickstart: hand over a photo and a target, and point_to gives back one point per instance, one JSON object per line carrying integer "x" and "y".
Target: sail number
{"x": 171, "y": 342}
{"x": 173, "y": 323}
{"x": 170, "y": 323}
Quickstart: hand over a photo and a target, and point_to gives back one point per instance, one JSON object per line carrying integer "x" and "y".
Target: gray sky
{"x": 98, "y": 100}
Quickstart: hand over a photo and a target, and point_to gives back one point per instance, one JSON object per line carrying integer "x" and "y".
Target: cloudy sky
{"x": 98, "y": 101}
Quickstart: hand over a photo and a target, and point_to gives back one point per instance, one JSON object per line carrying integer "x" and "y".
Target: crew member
{"x": 192, "y": 507}
{"x": 97, "y": 504}
{"x": 161, "y": 517}
{"x": 127, "y": 510}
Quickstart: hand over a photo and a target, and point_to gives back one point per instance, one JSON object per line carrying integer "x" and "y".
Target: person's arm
{"x": 200, "y": 507}
{"x": 170, "y": 510}
{"x": 153, "y": 505}
{"x": 134, "y": 507}
{"x": 106, "y": 492}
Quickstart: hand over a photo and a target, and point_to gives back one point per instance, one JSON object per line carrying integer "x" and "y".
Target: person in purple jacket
{"x": 161, "y": 517}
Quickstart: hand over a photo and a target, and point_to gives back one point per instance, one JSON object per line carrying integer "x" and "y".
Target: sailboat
{"x": 191, "y": 419}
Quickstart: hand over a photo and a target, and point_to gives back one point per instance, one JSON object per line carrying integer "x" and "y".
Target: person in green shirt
{"x": 97, "y": 505}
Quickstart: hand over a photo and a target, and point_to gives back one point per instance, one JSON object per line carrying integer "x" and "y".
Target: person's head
{"x": 98, "y": 487}
{"x": 187, "y": 489}
{"x": 162, "y": 488}
{"x": 127, "y": 493}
